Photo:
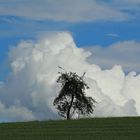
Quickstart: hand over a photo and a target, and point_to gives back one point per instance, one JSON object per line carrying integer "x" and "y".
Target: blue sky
{"x": 91, "y": 22}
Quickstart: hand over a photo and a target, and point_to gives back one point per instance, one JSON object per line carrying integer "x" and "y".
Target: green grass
{"x": 84, "y": 129}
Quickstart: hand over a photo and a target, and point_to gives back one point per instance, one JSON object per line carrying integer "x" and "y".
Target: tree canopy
{"x": 72, "y": 100}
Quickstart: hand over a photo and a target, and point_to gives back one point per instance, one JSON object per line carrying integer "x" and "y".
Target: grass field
{"x": 84, "y": 129}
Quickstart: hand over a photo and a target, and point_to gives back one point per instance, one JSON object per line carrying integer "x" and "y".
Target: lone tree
{"x": 72, "y": 100}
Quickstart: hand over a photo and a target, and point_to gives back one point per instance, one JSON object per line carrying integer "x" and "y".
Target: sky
{"x": 103, "y": 35}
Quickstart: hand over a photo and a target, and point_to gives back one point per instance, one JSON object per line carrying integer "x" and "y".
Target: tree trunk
{"x": 69, "y": 109}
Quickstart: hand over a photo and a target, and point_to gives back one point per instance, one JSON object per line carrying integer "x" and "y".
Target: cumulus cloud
{"x": 31, "y": 87}
{"x": 15, "y": 113}
{"x": 125, "y": 53}
{"x": 64, "y": 10}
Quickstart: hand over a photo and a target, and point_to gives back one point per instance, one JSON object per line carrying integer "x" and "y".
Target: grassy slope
{"x": 86, "y": 129}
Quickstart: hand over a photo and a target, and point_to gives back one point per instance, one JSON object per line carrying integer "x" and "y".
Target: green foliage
{"x": 83, "y": 129}
{"x": 72, "y": 100}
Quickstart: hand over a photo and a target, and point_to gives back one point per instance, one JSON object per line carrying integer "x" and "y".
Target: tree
{"x": 72, "y": 99}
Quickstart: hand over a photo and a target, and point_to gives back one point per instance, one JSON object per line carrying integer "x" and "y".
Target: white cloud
{"x": 31, "y": 87}
{"x": 124, "y": 53}
{"x": 132, "y": 7}
{"x": 63, "y": 10}
{"x": 112, "y": 35}
{"x": 15, "y": 113}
